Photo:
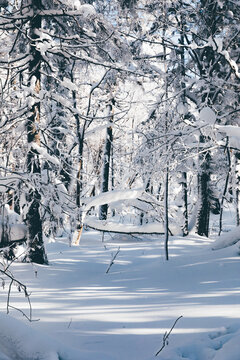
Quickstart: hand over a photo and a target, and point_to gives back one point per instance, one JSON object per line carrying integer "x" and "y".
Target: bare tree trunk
{"x": 166, "y": 220}
{"x": 112, "y": 176}
{"x": 106, "y": 163}
{"x": 225, "y": 188}
{"x": 237, "y": 185}
{"x": 36, "y": 252}
{"x": 203, "y": 193}
{"x": 185, "y": 204}
{"x": 183, "y": 86}
{"x": 80, "y": 137}
{"x": 166, "y": 185}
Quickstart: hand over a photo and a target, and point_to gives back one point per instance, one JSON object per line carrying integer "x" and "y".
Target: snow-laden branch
{"x": 120, "y": 196}
{"x": 45, "y": 155}
{"x": 111, "y": 197}
{"x": 84, "y": 10}
{"x": 229, "y": 130}
{"x": 110, "y": 226}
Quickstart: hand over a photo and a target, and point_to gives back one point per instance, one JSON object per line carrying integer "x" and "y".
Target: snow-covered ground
{"x": 86, "y": 314}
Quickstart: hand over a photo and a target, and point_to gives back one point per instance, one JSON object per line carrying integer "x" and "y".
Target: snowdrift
{"x": 228, "y": 239}
{"x": 19, "y": 341}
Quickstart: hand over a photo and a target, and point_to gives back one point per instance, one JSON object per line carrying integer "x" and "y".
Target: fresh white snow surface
{"x": 86, "y": 314}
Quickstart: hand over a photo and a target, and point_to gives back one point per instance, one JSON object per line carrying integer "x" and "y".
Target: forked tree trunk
{"x": 36, "y": 252}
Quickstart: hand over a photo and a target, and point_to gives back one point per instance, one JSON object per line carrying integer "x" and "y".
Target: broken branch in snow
{"x": 112, "y": 261}
{"x": 113, "y": 227}
{"x": 166, "y": 336}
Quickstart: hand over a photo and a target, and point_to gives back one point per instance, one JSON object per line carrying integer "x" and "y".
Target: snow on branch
{"x": 229, "y": 130}
{"x": 119, "y": 196}
{"x": 84, "y": 10}
{"x": 43, "y": 152}
{"x": 111, "y": 197}
{"x": 110, "y": 226}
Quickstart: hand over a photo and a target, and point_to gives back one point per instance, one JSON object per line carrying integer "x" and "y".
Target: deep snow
{"x": 87, "y": 314}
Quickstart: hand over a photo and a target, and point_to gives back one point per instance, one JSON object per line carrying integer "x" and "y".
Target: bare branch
{"x": 166, "y": 336}
{"x": 113, "y": 259}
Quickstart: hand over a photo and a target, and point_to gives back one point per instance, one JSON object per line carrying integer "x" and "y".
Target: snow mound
{"x": 227, "y": 239}
{"x": 19, "y": 341}
{"x": 220, "y": 345}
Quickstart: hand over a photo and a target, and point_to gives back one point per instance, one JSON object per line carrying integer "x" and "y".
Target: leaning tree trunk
{"x": 203, "y": 192}
{"x": 36, "y": 252}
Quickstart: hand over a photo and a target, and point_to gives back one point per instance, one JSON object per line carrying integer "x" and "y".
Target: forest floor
{"x": 124, "y": 314}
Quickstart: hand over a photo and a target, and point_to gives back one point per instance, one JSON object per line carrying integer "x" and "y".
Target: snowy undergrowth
{"x": 87, "y": 314}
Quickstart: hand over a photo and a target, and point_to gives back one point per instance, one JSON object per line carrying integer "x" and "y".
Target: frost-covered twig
{"x": 166, "y": 336}
{"x": 113, "y": 259}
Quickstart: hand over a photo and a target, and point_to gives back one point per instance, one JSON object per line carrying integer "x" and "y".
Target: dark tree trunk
{"x": 106, "y": 163}
{"x": 33, "y": 219}
{"x": 183, "y": 87}
{"x": 203, "y": 193}
{"x": 225, "y": 188}
{"x": 237, "y": 166}
{"x": 148, "y": 190}
{"x": 106, "y": 167}
{"x": 185, "y": 204}
{"x": 80, "y": 137}
{"x": 36, "y": 251}
{"x": 112, "y": 176}
{"x": 166, "y": 219}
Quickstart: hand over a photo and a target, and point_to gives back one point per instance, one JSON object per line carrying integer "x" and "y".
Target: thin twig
{"x": 69, "y": 324}
{"x": 23, "y": 313}
{"x": 166, "y": 336}
{"x": 112, "y": 261}
{"x": 21, "y": 287}
{"x": 103, "y": 236}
